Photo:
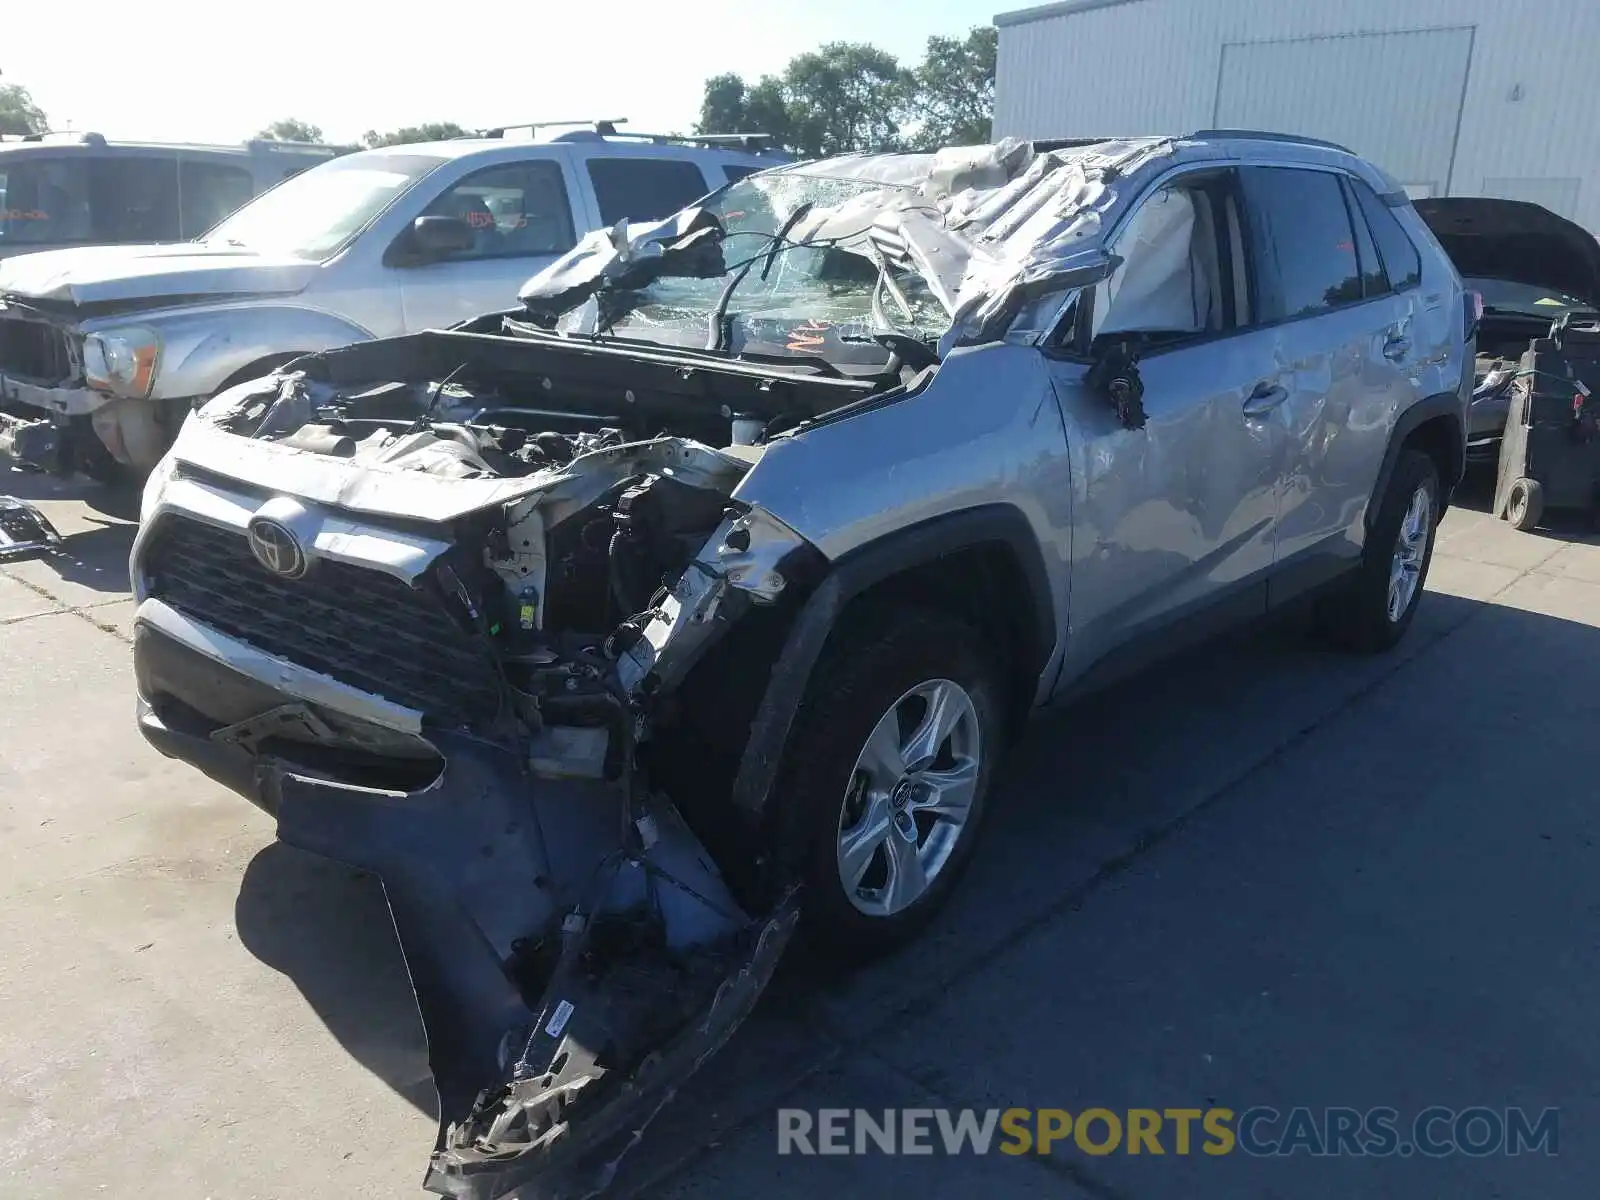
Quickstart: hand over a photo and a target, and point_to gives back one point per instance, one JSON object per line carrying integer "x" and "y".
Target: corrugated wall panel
{"x": 1152, "y": 67}
{"x": 1405, "y": 119}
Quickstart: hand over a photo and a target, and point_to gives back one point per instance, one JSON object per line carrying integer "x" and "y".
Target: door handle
{"x": 1265, "y": 398}
{"x": 1396, "y": 346}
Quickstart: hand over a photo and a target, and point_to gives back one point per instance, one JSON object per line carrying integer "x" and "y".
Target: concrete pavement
{"x": 1265, "y": 874}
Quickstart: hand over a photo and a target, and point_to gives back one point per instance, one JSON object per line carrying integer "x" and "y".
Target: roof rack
{"x": 274, "y": 146}
{"x": 599, "y": 130}
{"x": 1262, "y": 135}
{"x": 59, "y": 135}
{"x": 603, "y": 126}
{"x": 753, "y": 143}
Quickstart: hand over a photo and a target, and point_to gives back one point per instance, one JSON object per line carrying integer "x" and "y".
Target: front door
{"x": 1175, "y": 519}
{"x": 521, "y": 219}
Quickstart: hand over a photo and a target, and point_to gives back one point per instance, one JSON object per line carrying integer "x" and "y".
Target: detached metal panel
{"x": 1394, "y": 97}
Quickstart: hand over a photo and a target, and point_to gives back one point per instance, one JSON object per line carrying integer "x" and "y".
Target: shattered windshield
{"x": 314, "y": 213}
{"x": 803, "y": 276}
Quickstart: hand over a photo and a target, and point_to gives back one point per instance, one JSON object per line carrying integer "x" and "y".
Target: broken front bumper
{"x": 572, "y": 968}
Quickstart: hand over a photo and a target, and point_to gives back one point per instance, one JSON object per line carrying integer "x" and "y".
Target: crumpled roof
{"x": 989, "y": 227}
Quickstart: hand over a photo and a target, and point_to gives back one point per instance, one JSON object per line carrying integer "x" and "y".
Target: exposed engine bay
{"x": 586, "y": 561}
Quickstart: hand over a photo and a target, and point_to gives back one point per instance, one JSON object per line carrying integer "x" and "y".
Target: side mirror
{"x": 1114, "y": 374}
{"x": 435, "y": 237}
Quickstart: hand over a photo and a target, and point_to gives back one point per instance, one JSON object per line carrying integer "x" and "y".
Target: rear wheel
{"x": 1371, "y": 611}
{"x": 886, "y": 774}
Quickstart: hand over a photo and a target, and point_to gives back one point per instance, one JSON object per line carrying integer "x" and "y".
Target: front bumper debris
{"x": 24, "y": 530}
{"x": 572, "y": 969}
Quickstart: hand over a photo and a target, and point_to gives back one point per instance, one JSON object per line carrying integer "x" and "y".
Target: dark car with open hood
{"x": 1532, "y": 268}
{"x": 695, "y": 597}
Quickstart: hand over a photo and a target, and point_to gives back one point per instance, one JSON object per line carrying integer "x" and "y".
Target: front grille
{"x": 35, "y": 351}
{"x": 357, "y": 625}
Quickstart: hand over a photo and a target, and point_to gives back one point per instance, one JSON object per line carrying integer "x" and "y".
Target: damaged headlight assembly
{"x": 122, "y": 361}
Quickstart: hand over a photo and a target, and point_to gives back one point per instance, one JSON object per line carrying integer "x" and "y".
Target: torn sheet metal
{"x": 987, "y": 227}
{"x": 24, "y": 529}
{"x": 570, "y": 974}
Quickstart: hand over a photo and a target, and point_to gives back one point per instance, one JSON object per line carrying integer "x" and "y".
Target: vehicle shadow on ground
{"x": 1088, "y": 789}
{"x": 120, "y": 500}
{"x": 93, "y": 558}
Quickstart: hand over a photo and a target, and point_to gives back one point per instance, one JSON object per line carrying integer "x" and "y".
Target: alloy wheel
{"x": 1410, "y": 552}
{"x": 910, "y": 797}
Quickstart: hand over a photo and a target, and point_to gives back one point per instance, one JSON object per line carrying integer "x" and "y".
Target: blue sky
{"x": 172, "y": 70}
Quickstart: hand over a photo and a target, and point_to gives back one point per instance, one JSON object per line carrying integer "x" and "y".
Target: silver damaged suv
{"x": 698, "y": 597}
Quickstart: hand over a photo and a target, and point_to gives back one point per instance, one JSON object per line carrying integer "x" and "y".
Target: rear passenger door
{"x": 1344, "y": 335}
{"x": 521, "y": 217}
{"x": 638, "y": 187}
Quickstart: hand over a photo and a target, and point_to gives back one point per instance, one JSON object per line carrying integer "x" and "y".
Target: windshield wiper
{"x": 719, "y": 334}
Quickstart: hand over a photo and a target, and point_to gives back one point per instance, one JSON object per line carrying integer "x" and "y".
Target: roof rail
{"x": 753, "y": 143}
{"x": 58, "y": 135}
{"x": 271, "y": 145}
{"x": 1262, "y": 135}
{"x": 601, "y": 126}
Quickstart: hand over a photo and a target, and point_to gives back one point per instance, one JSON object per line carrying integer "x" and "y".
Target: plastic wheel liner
{"x": 572, "y": 965}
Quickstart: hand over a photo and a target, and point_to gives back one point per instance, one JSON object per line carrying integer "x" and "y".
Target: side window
{"x": 515, "y": 210}
{"x": 46, "y": 200}
{"x": 1179, "y": 275}
{"x": 733, "y": 173}
{"x": 1402, "y": 264}
{"x": 644, "y": 189}
{"x": 134, "y": 199}
{"x": 209, "y": 191}
{"x": 1305, "y": 247}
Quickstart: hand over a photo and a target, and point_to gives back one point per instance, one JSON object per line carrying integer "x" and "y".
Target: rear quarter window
{"x": 1401, "y": 262}
{"x": 644, "y": 189}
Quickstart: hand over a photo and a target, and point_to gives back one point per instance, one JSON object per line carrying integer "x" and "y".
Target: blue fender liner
{"x": 548, "y": 1063}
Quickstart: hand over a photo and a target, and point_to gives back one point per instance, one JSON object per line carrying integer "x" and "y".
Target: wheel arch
{"x": 981, "y": 564}
{"x": 1435, "y": 426}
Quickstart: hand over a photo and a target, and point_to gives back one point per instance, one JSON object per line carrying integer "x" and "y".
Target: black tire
{"x": 870, "y": 664}
{"x": 1525, "y": 504}
{"x": 1356, "y": 615}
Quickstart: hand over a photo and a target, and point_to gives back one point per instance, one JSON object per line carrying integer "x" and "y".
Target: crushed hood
{"x": 1514, "y": 240}
{"x": 112, "y": 276}
{"x": 988, "y": 227}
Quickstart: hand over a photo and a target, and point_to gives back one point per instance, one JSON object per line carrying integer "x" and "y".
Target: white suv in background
{"x": 104, "y": 350}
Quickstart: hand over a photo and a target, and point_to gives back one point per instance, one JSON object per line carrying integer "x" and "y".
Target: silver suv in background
{"x": 702, "y": 591}
{"x": 59, "y": 190}
{"x": 104, "y": 351}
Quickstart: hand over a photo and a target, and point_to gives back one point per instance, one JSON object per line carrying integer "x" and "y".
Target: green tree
{"x": 291, "y": 129}
{"x": 845, "y": 96}
{"x": 18, "y": 112}
{"x": 732, "y": 106}
{"x": 952, "y": 92}
{"x": 436, "y": 131}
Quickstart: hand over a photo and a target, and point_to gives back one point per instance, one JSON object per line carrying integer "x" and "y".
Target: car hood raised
{"x": 1514, "y": 240}
{"x": 112, "y": 276}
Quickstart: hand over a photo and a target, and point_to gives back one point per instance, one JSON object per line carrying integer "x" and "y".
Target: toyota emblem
{"x": 276, "y": 548}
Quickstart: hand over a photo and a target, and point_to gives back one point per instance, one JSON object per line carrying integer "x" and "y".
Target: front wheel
{"x": 1371, "y": 611}
{"x": 886, "y": 774}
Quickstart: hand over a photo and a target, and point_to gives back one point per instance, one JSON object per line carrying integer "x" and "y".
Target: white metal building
{"x": 1453, "y": 97}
